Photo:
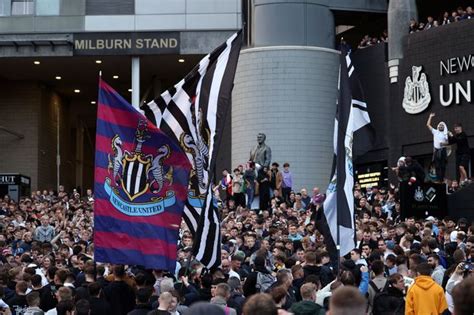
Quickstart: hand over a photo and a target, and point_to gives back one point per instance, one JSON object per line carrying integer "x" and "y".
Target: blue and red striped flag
{"x": 141, "y": 180}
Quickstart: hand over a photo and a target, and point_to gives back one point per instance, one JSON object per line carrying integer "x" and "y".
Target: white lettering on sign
{"x": 117, "y": 43}
{"x": 456, "y": 65}
{"x": 7, "y": 179}
{"x": 454, "y": 91}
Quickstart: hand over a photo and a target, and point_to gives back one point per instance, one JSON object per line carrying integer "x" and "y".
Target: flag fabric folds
{"x": 141, "y": 179}
{"x": 353, "y": 136}
{"x": 193, "y": 113}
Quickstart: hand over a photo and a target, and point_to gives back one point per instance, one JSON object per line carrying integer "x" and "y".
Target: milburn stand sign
{"x": 149, "y": 43}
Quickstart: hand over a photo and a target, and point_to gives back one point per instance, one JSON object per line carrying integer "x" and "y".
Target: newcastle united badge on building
{"x": 419, "y": 196}
{"x": 416, "y": 96}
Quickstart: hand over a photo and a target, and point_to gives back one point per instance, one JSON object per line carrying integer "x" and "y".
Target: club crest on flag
{"x": 136, "y": 174}
{"x": 199, "y": 153}
{"x": 193, "y": 113}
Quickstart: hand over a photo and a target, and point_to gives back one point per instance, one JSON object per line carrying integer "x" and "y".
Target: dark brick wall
{"x": 31, "y": 109}
{"x": 19, "y": 107}
{"x": 48, "y": 120}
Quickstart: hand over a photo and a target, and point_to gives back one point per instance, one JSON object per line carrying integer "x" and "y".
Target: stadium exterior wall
{"x": 406, "y": 134}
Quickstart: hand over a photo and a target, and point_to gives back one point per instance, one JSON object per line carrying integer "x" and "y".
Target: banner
{"x": 141, "y": 179}
{"x": 423, "y": 200}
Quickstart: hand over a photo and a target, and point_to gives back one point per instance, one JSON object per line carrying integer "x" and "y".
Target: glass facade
{"x": 23, "y": 7}
{"x": 5, "y": 7}
{"x": 47, "y": 7}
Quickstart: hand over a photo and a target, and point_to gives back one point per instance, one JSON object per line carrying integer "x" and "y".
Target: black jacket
{"x": 297, "y": 284}
{"x": 120, "y": 296}
{"x": 99, "y": 306}
{"x": 236, "y": 301}
{"x": 250, "y": 284}
{"x": 323, "y": 272}
{"x": 389, "y": 302}
{"x": 290, "y": 295}
{"x": 461, "y": 141}
{"x": 48, "y": 297}
{"x": 141, "y": 309}
{"x": 82, "y": 292}
{"x": 197, "y": 295}
{"x": 17, "y": 304}
{"x": 413, "y": 170}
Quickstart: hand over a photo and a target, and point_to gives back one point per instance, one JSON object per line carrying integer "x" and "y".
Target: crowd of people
{"x": 368, "y": 41}
{"x": 446, "y": 18}
{"x": 274, "y": 258}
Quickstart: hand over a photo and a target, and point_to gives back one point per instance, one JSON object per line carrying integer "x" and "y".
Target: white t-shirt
{"x": 438, "y": 138}
{"x": 52, "y": 311}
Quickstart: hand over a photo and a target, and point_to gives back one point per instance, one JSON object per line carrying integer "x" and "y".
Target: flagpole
{"x": 338, "y": 247}
{"x": 58, "y": 148}
{"x": 338, "y": 232}
{"x": 136, "y": 82}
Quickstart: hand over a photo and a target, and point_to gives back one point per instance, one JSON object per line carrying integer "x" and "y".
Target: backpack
{"x": 376, "y": 289}
{"x": 381, "y": 309}
{"x": 378, "y": 292}
{"x": 264, "y": 281}
{"x": 376, "y": 309}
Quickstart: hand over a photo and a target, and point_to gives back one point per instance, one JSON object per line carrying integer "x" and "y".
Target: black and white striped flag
{"x": 353, "y": 136}
{"x": 193, "y": 113}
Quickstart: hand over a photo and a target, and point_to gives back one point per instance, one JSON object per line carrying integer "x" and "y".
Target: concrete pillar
{"x": 297, "y": 22}
{"x": 79, "y": 155}
{"x": 399, "y": 14}
{"x": 288, "y": 93}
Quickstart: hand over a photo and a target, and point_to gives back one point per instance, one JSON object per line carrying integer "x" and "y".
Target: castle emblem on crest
{"x": 416, "y": 96}
{"x": 135, "y": 174}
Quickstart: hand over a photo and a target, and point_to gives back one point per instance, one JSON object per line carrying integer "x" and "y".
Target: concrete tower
{"x": 399, "y": 14}
{"x": 286, "y": 87}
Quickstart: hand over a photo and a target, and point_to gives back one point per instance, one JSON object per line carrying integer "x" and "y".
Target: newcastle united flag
{"x": 353, "y": 136}
{"x": 141, "y": 179}
{"x": 193, "y": 113}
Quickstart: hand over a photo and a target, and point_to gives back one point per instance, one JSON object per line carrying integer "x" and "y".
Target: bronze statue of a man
{"x": 261, "y": 154}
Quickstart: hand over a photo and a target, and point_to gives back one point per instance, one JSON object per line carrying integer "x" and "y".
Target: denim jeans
{"x": 250, "y": 196}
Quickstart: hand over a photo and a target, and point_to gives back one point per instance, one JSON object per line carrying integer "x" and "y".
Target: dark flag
{"x": 193, "y": 113}
{"x": 141, "y": 179}
{"x": 353, "y": 136}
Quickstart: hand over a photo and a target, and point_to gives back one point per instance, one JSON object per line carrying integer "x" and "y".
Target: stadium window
{"x": 23, "y": 7}
{"x": 47, "y": 7}
{"x": 5, "y": 7}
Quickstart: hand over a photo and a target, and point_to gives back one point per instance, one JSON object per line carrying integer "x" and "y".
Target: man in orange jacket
{"x": 425, "y": 296}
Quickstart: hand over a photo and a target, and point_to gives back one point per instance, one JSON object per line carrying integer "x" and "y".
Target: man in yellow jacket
{"x": 425, "y": 296}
